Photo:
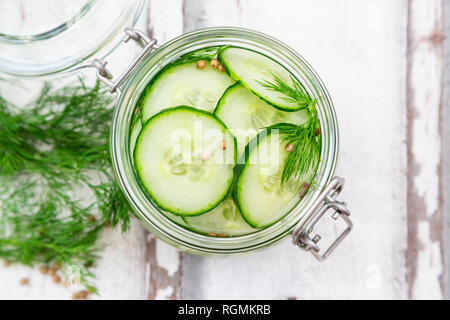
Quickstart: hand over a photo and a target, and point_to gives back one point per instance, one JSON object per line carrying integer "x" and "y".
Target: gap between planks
{"x": 445, "y": 122}
{"x": 425, "y": 254}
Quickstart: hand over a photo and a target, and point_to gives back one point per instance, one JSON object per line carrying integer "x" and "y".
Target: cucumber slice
{"x": 185, "y": 84}
{"x": 251, "y": 68}
{"x": 134, "y": 134}
{"x": 258, "y": 192}
{"x": 184, "y": 159}
{"x": 246, "y": 114}
{"x": 224, "y": 220}
{"x": 135, "y": 130}
{"x": 174, "y": 218}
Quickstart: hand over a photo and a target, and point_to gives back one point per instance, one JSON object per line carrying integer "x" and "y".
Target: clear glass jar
{"x": 81, "y": 30}
{"x": 56, "y": 37}
{"x": 313, "y": 205}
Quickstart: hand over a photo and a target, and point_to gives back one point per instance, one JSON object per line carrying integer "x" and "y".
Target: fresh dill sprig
{"x": 202, "y": 54}
{"x": 302, "y": 141}
{"x": 35, "y": 231}
{"x": 50, "y": 150}
{"x": 295, "y": 94}
{"x": 303, "y": 144}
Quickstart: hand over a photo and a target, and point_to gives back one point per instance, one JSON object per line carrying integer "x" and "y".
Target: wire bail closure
{"x": 301, "y": 233}
{"x": 131, "y": 34}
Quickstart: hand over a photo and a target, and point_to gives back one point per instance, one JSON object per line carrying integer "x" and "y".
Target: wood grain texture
{"x": 163, "y": 262}
{"x": 386, "y": 65}
{"x": 133, "y": 265}
{"x": 445, "y": 123}
{"x": 425, "y": 254}
{"x": 359, "y": 49}
{"x": 121, "y": 271}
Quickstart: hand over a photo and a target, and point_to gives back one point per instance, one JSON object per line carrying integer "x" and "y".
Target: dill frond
{"x": 202, "y": 54}
{"x": 304, "y": 139}
{"x": 48, "y": 151}
{"x": 295, "y": 94}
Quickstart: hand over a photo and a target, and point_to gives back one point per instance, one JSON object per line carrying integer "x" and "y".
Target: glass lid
{"x": 45, "y": 37}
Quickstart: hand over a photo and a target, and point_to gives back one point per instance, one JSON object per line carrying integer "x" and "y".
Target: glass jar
{"x": 320, "y": 198}
{"x": 66, "y": 43}
{"x": 55, "y": 37}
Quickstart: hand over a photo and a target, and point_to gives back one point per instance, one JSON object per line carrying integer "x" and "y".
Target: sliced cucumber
{"x": 185, "y": 84}
{"x": 258, "y": 192}
{"x": 175, "y": 218}
{"x": 224, "y": 220}
{"x": 184, "y": 158}
{"x": 134, "y": 134}
{"x": 252, "y": 68}
{"x": 246, "y": 114}
{"x": 135, "y": 130}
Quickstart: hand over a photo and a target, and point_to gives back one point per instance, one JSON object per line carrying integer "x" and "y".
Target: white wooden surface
{"x": 424, "y": 101}
{"x": 358, "y": 48}
{"x": 445, "y": 134}
{"x": 382, "y": 61}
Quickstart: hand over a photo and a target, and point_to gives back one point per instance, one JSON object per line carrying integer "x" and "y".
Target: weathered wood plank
{"x": 165, "y": 19}
{"x": 121, "y": 270}
{"x": 445, "y": 122}
{"x": 164, "y": 270}
{"x": 358, "y": 47}
{"x": 119, "y": 273}
{"x": 163, "y": 262}
{"x": 425, "y": 254}
{"x": 134, "y": 265}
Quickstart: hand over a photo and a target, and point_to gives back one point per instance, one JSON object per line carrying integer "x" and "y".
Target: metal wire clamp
{"x": 131, "y": 34}
{"x": 325, "y": 202}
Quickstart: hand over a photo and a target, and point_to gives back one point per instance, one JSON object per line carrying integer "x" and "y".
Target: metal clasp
{"x": 327, "y": 199}
{"x": 105, "y": 76}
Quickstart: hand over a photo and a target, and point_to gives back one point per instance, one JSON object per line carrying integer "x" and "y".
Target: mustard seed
{"x": 201, "y": 64}
{"x": 305, "y": 188}
{"x": 44, "y": 269}
{"x": 214, "y": 63}
{"x": 56, "y": 279}
{"x": 84, "y": 294}
{"x": 289, "y": 147}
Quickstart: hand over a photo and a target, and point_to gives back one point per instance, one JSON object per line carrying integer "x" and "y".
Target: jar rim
{"x": 96, "y": 29}
{"x": 52, "y": 31}
{"x": 146, "y": 211}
